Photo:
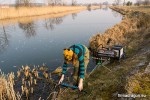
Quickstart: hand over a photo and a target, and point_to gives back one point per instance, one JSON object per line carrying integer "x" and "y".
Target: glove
{"x": 80, "y": 86}
{"x": 61, "y": 79}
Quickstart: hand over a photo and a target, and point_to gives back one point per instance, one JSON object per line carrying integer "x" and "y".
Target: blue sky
{"x": 79, "y": 1}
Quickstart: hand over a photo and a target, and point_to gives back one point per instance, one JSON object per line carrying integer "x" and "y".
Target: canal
{"x": 42, "y": 41}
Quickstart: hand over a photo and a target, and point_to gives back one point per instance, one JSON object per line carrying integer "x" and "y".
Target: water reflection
{"x": 3, "y": 39}
{"x": 50, "y": 23}
{"x": 115, "y": 14}
{"x": 74, "y": 15}
{"x": 105, "y": 8}
{"x": 28, "y": 28}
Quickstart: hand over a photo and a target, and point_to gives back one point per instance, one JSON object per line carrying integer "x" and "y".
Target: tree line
{"x": 129, "y": 3}
{"x": 45, "y": 2}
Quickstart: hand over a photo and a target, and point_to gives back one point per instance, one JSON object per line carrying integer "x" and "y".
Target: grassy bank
{"x": 130, "y": 76}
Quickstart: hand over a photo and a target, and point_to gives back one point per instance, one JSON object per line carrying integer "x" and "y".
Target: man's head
{"x": 68, "y": 54}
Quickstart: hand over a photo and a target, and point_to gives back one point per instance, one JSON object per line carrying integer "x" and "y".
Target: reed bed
{"x": 31, "y": 83}
{"x": 27, "y": 19}
{"x": 34, "y": 18}
{"x": 12, "y": 12}
{"x": 7, "y": 91}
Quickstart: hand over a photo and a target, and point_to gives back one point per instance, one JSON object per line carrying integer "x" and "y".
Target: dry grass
{"x": 145, "y": 9}
{"x": 139, "y": 84}
{"x": 12, "y": 12}
{"x": 132, "y": 75}
{"x": 7, "y": 87}
{"x": 34, "y": 18}
{"x": 133, "y": 26}
{"x": 116, "y": 33}
{"x": 28, "y": 16}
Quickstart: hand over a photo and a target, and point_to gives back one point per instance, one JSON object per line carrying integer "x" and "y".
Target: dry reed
{"x": 12, "y": 12}
{"x": 130, "y": 27}
{"x": 7, "y": 87}
{"x": 29, "y": 18}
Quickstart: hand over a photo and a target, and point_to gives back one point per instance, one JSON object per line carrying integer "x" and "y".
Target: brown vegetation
{"x": 29, "y": 14}
{"x": 12, "y": 12}
{"x": 130, "y": 28}
{"x": 130, "y": 76}
{"x": 7, "y": 87}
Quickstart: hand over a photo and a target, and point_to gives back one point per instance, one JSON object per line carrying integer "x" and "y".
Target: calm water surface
{"x": 43, "y": 41}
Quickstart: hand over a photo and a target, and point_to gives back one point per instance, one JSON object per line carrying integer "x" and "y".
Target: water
{"x": 43, "y": 41}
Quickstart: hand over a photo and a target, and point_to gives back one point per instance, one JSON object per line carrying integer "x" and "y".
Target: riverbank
{"x": 35, "y": 18}
{"x": 12, "y": 12}
{"x": 29, "y": 14}
{"x": 131, "y": 76}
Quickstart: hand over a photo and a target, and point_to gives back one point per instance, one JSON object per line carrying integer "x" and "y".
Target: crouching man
{"x": 78, "y": 55}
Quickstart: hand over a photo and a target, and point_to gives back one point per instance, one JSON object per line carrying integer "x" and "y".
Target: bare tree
{"x": 50, "y": 23}
{"x": 146, "y": 2}
{"x": 138, "y": 2}
{"x": 58, "y": 2}
{"x": 129, "y": 3}
{"x": 64, "y": 2}
{"x": 74, "y": 15}
{"x": 50, "y": 2}
{"x": 3, "y": 39}
{"x": 29, "y": 29}
{"x": 74, "y": 2}
{"x": 18, "y": 2}
{"x": 117, "y": 2}
{"x": 24, "y": 2}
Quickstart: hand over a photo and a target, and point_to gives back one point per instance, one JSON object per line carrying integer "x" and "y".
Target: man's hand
{"x": 61, "y": 79}
{"x": 80, "y": 86}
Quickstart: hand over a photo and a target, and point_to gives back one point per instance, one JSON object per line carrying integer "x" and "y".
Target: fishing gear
{"x": 67, "y": 85}
{"x": 99, "y": 63}
{"x": 104, "y": 55}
